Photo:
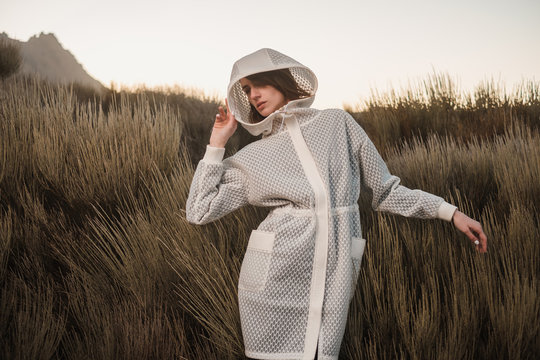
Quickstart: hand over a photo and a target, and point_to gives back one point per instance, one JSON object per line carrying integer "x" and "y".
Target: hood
{"x": 266, "y": 60}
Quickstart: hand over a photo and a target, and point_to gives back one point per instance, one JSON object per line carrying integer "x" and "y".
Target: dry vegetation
{"x": 10, "y": 58}
{"x": 97, "y": 260}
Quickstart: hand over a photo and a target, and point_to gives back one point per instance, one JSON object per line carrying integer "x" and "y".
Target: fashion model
{"x": 300, "y": 268}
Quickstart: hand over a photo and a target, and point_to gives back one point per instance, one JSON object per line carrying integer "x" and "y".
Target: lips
{"x": 260, "y": 104}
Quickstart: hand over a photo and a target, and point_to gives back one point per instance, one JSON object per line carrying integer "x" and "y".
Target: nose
{"x": 255, "y": 93}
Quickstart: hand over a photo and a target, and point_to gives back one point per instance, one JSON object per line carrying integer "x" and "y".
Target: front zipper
{"x": 320, "y": 257}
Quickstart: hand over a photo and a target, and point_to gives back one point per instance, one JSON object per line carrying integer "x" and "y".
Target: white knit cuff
{"x": 446, "y": 211}
{"x": 213, "y": 154}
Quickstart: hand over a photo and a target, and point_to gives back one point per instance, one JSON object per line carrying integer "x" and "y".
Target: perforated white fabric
{"x": 281, "y": 317}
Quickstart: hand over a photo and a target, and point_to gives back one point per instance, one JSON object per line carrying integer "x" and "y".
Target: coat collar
{"x": 267, "y": 126}
{"x": 275, "y": 122}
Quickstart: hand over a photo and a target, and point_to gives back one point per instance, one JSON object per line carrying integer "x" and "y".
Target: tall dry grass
{"x": 97, "y": 260}
{"x": 196, "y": 109}
{"x": 437, "y": 105}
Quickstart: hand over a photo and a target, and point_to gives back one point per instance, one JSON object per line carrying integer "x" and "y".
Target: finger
{"x": 481, "y": 245}
{"x": 222, "y": 113}
{"x": 470, "y": 235}
{"x": 480, "y": 236}
{"x": 483, "y": 242}
{"x": 483, "y": 248}
{"x": 227, "y": 103}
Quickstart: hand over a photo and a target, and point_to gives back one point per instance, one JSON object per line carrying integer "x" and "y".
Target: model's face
{"x": 266, "y": 99}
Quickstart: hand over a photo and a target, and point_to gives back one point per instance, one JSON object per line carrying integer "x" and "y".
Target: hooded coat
{"x": 301, "y": 265}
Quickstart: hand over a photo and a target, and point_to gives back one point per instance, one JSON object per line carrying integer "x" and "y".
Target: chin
{"x": 267, "y": 111}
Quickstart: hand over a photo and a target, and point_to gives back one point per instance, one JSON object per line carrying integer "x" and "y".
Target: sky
{"x": 353, "y": 46}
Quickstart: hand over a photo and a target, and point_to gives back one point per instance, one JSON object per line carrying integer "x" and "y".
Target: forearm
{"x": 217, "y": 141}
{"x": 217, "y": 188}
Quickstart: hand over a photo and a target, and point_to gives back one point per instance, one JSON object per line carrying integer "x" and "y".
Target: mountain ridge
{"x": 45, "y": 56}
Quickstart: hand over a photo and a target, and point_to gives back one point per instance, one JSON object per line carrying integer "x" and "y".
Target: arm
{"x": 389, "y": 195}
{"x": 218, "y": 187}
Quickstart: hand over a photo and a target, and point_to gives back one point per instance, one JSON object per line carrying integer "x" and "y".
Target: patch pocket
{"x": 256, "y": 263}
{"x": 357, "y": 251}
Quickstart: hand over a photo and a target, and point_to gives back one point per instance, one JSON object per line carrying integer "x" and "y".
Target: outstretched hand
{"x": 472, "y": 229}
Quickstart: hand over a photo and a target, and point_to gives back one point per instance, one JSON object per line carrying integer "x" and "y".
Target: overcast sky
{"x": 351, "y": 45}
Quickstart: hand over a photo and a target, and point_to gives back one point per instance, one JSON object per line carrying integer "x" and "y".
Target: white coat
{"x": 300, "y": 268}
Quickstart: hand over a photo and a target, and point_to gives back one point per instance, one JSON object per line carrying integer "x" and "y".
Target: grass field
{"x": 97, "y": 260}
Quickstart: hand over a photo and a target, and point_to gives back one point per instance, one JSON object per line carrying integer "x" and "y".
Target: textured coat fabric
{"x": 300, "y": 268}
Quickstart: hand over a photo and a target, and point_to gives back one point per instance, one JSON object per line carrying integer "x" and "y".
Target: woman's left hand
{"x": 472, "y": 229}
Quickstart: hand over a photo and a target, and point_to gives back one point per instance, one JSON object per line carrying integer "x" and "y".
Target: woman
{"x": 300, "y": 268}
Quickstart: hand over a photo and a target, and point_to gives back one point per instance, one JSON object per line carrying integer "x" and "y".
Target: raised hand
{"x": 224, "y": 127}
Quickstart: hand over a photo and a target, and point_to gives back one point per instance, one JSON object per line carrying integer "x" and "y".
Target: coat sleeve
{"x": 388, "y": 194}
{"x": 218, "y": 188}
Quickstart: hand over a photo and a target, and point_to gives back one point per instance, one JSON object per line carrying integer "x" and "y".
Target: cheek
{"x": 281, "y": 98}
{"x": 278, "y": 97}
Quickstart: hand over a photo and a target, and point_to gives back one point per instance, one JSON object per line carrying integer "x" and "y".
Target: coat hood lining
{"x": 260, "y": 61}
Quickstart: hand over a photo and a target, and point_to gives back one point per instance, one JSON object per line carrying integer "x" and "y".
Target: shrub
{"x": 10, "y": 58}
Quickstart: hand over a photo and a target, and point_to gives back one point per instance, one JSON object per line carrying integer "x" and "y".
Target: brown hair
{"x": 283, "y": 81}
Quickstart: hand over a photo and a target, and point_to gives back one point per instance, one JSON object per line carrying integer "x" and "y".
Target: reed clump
{"x": 97, "y": 259}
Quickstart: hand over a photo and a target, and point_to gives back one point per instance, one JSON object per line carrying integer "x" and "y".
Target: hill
{"x": 44, "y": 55}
